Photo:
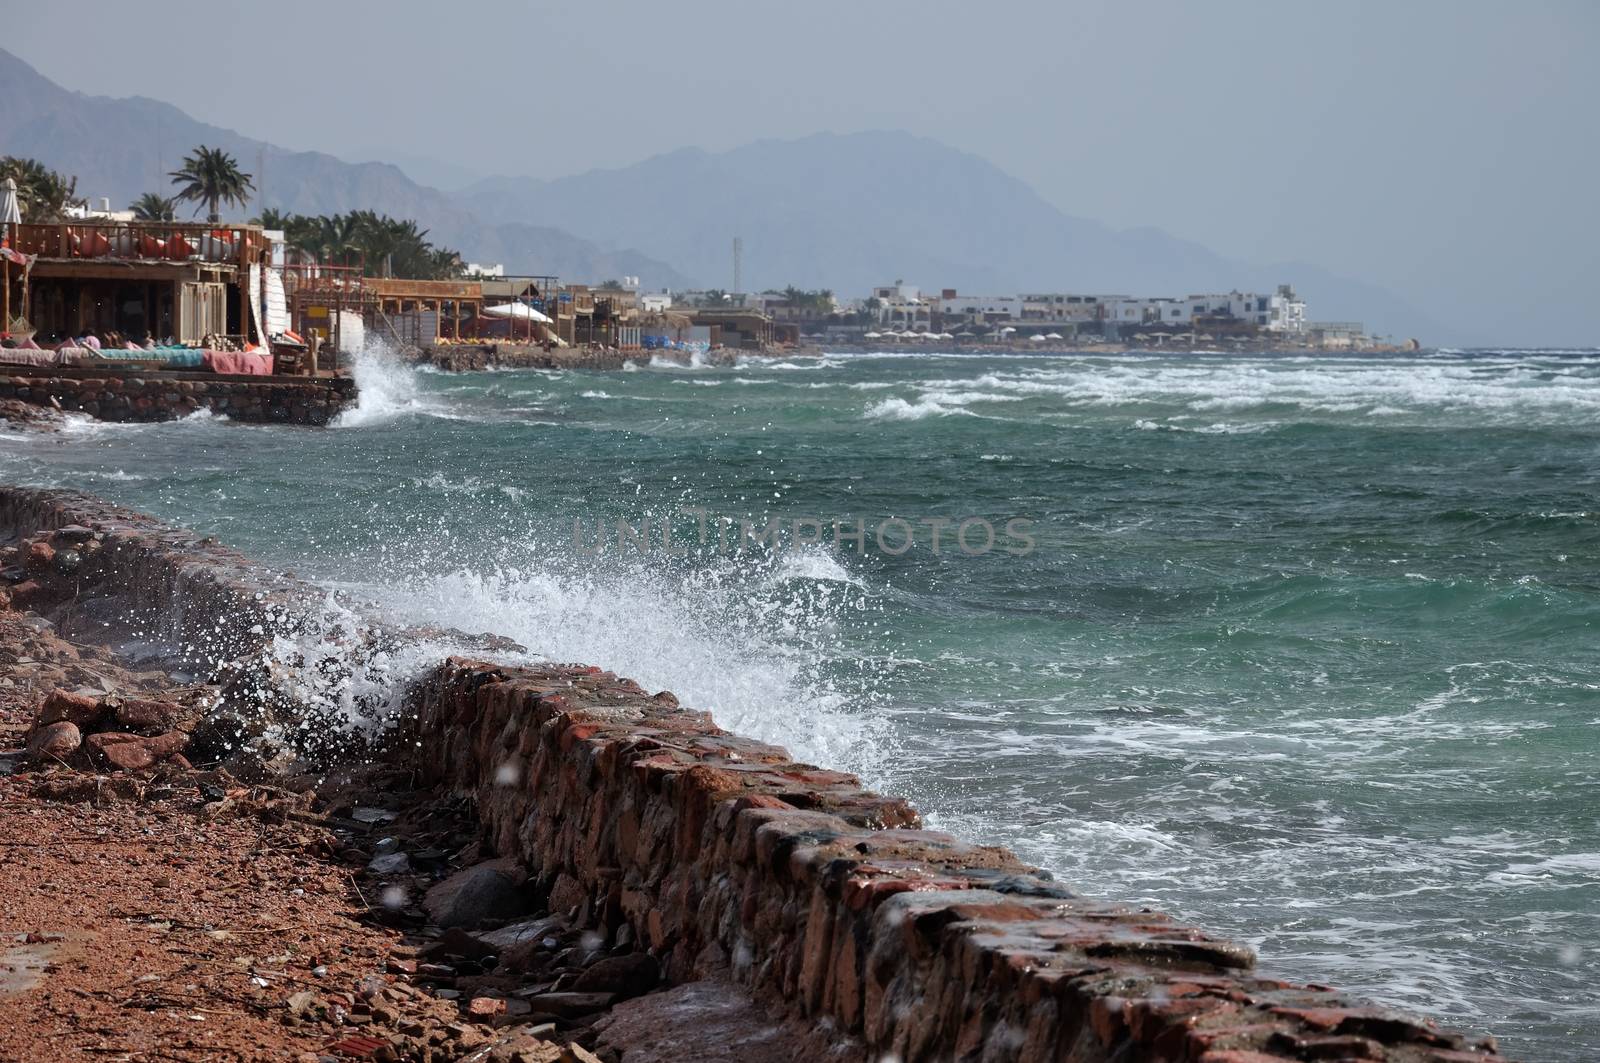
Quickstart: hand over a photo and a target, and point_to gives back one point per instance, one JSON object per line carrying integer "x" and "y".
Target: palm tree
{"x": 273, "y": 218}
{"x": 212, "y": 176}
{"x": 152, "y": 206}
{"x": 42, "y": 194}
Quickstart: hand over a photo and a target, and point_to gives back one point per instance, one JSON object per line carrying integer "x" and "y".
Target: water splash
{"x": 387, "y": 388}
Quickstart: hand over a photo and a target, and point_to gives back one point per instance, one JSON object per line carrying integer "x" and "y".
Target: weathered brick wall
{"x": 731, "y": 860}
{"x": 131, "y": 396}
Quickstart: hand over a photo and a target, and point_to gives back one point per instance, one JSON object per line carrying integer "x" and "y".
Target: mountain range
{"x": 845, "y": 212}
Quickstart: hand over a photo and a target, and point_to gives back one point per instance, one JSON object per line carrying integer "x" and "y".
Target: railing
{"x": 233, "y": 245}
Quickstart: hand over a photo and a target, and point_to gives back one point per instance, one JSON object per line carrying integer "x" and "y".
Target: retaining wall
{"x": 730, "y": 860}
{"x": 112, "y": 395}
{"x": 463, "y": 357}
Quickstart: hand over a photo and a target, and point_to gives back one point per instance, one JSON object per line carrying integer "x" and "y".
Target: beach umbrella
{"x": 10, "y": 211}
{"x": 1053, "y": 336}
{"x": 1007, "y": 330}
{"x": 945, "y": 336}
{"x": 1036, "y": 339}
{"x": 873, "y": 336}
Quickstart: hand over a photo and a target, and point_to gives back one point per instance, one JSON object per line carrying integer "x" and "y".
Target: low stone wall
{"x": 113, "y": 395}
{"x": 727, "y": 859}
{"x": 476, "y": 357}
{"x": 730, "y": 860}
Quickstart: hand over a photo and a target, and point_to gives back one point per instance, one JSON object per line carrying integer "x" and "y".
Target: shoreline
{"x": 782, "y": 885}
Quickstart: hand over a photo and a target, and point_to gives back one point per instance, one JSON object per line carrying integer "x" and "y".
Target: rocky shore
{"x": 536, "y": 863}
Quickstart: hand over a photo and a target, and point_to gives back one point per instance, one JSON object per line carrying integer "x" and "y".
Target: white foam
{"x": 897, "y": 409}
{"x": 386, "y": 389}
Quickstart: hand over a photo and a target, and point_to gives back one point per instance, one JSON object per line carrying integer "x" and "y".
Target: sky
{"x": 1445, "y": 149}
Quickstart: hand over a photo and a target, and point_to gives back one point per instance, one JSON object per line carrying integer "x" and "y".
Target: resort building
{"x": 179, "y": 280}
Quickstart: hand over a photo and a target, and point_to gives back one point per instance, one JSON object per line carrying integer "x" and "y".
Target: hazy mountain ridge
{"x": 856, "y": 210}
{"x": 120, "y": 148}
{"x": 839, "y": 211}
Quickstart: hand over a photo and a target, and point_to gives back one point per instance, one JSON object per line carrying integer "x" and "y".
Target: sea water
{"x": 1304, "y": 649}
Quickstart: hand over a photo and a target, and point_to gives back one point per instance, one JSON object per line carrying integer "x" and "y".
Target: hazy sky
{"x": 1447, "y": 150}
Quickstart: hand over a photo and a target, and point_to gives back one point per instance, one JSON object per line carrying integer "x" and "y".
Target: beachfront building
{"x": 178, "y": 280}
{"x": 1286, "y": 311}
{"x": 1065, "y": 307}
{"x": 953, "y": 309}
{"x": 901, "y": 306}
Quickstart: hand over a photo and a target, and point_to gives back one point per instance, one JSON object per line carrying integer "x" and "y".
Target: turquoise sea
{"x": 1303, "y": 649}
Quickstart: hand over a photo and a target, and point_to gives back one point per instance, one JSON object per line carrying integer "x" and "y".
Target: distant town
{"x": 86, "y": 285}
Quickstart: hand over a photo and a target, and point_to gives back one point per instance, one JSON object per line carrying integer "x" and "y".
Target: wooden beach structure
{"x": 186, "y": 280}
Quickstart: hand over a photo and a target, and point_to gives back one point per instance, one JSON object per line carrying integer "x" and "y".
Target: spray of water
{"x": 387, "y": 388}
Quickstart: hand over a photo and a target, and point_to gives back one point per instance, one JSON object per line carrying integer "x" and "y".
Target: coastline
{"x": 728, "y": 863}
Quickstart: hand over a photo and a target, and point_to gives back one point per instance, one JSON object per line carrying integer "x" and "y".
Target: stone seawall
{"x": 125, "y": 395}
{"x": 730, "y": 861}
{"x": 476, "y": 357}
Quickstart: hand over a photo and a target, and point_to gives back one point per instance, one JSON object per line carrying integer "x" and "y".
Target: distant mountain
{"x": 849, "y": 212}
{"x": 842, "y": 212}
{"x": 119, "y": 148}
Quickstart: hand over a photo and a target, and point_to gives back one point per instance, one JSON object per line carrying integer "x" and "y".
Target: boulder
{"x": 80, "y": 710}
{"x": 124, "y": 752}
{"x": 628, "y": 976}
{"x": 491, "y": 890}
{"x": 41, "y": 556}
{"x": 127, "y": 752}
{"x": 142, "y": 714}
{"x": 55, "y": 741}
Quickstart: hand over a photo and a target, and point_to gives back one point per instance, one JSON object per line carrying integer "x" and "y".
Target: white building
{"x": 655, "y": 302}
{"x": 978, "y": 309}
{"x": 1286, "y": 311}
{"x": 1065, "y": 306}
{"x": 901, "y": 305}
{"x": 473, "y": 269}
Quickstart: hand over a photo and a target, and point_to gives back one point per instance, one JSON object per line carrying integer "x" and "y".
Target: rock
{"x": 577, "y": 1054}
{"x": 130, "y": 752}
{"x": 389, "y": 864}
{"x": 457, "y": 942}
{"x": 514, "y": 934}
{"x": 491, "y": 890}
{"x": 140, "y": 714}
{"x": 571, "y": 1005}
{"x": 41, "y": 556}
{"x": 627, "y": 976}
{"x": 166, "y": 745}
{"x": 709, "y": 1022}
{"x": 74, "y": 533}
{"x": 81, "y": 710}
{"x": 486, "y": 1007}
{"x": 55, "y": 741}
{"x": 68, "y": 561}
